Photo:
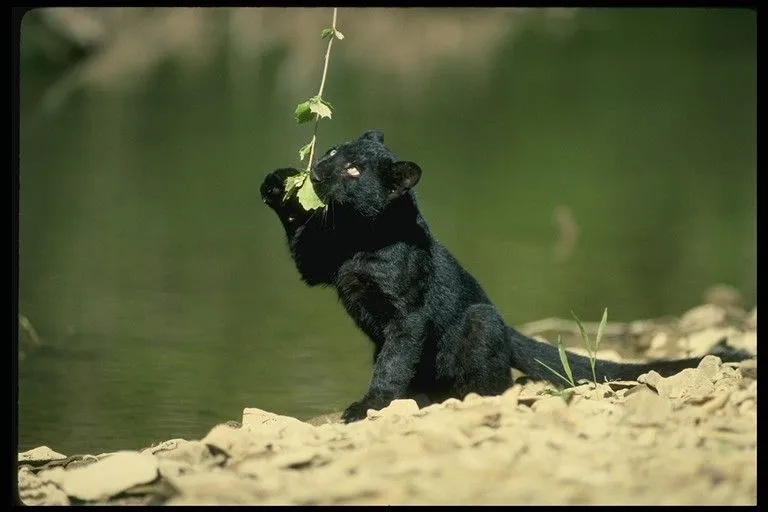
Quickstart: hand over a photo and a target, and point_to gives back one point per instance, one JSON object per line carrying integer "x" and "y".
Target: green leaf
{"x": 304, "y": 151}
{"x": 303, "y": 112}
{"x": 564, "y": 360}
{"x": 327, "y": 32}
{"x": 600, "y": 328}
{"x": 545, "y": 365}
{"x": 338, "y": 35}
{"x": 583, "y": 334}
{"x": 293, "y": 182}
{"x": 320, "y": 107}
{"x": 308, "y": 197}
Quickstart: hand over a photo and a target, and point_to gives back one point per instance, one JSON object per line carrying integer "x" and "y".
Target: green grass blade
{"x": 583, "y": 334}
{"x": 564, "y": 360}
{"x": 600, "y": 328}
{"x": 545, "y": 365}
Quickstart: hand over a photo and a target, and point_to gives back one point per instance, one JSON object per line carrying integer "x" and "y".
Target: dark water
{"x": 161, "y": 285}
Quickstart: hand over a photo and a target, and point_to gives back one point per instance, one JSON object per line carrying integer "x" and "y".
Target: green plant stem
{"x": 322, "y": 86}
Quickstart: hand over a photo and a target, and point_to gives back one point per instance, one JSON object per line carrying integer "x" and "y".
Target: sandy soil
{"x": 686, "y": 439}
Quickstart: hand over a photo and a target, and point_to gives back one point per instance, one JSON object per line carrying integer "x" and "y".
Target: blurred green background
{"x": 573, "y": 159}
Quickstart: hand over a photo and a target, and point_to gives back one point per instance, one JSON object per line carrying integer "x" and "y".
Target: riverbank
{"x": 685, "y": 439}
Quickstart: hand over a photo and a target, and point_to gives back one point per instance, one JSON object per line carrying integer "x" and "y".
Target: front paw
{"x": 359, "y": 410}
{"x": 273, "y": 187}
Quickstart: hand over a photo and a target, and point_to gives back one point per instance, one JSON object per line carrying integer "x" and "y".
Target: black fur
{"x": 434, "y": 330}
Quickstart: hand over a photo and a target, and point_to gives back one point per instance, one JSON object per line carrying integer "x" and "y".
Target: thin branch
{"x": 322, "y": 86}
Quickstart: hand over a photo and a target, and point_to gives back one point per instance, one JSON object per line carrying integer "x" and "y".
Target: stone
{"x": 702, "y": 317}
{"x": 301, "y": 458}
{"x": 266, "y": 423}
{"x": 698, "y": 343}
{"x": 215, "y": 488}
{"x": 403, "y": 407}
{"x": 750, "y": 322}
{"x": 40, "y": 454}
{"x": 109, "y": 476}
{"x": 689, "y": 383}
{"x": 233, "y": 442}
{"x": 746, "y": 341}
{"x": 651, "y": 378}
{"x": 34, "y": 490}
{"x": 181, "y": 450}
{"x": 647, "y": 408}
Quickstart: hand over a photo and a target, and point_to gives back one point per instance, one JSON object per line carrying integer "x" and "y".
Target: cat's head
{"x": 363, "y": 175}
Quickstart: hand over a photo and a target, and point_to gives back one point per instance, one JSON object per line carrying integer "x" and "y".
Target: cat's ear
{"x": 404, "y": 176}
{"x": 374, "y": 135}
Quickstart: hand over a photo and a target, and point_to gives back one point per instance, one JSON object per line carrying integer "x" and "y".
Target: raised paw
{"x": 359, "y": 410}
{"x": 273, "y": 187}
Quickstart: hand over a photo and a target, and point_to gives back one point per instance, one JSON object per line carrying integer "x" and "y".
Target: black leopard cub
{"x": 434, "y": 330}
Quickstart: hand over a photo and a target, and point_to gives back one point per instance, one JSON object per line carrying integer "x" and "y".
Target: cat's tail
{"x": 527, "y": 352}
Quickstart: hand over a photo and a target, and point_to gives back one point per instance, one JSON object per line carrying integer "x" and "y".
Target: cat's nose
{"x": 314, "y": 176}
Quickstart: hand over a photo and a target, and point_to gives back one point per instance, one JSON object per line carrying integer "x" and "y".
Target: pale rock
{"x": 54, "y": 475}
{"x": 689, "y": 383}
{"x": 651, "y": 378}
{"x": 639, "y": 327}
{"x": 583, "y": 389}
{"x": 472, "y": 398}
{"x": 590, "y": 407}
{"x": 699, "y": 343}
{"x": 604, "y": 354}
{"x": 659, "y": 341}
{"x": 215, "y": 488}
{"x": 236, "y": 442}
{"x": 647, "y": 408}
{"x": 747, "y": 368}
{"x": 40, "y": 454}
{"x": 616, "y": 385}
{"x": 594, "y": 427}
{"x": 748, "y": 393}
{"x": 268, "y": 481}
{"x": 429, "y": 409}
{"x": 717, "y": 402}
{"x": 647, "y": 437}
{"x": 253, "y": 467}
{"x": 751, "y": 321}
{"x": 702, "y": 317}
{"x": 402, "y": 407}
{"x": 511, "y": 396}
{"x": 191, "y": 453}
{"x": 709, "y": 366}
{"x": 269, "y": 424}
{"x": 550, "y": 403}
{"x": 533, "y": 390}
{"x": 338, "y": 489}
{"x": 301, "y": 458}
{"x": 745, "y": 341}
{"x": 438, "y": 437}
{"x": 451, "y": 403}
{"x": 325, "y": 419}
{"x": 724, "y": 295}
{"x": 110, "y": 476}
{"x": 35, "y": 491}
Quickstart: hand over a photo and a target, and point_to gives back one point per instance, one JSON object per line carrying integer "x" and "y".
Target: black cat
{"x": 434, "y": 330}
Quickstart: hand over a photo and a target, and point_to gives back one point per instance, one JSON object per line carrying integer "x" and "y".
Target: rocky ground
{"x": 685, "y": 439}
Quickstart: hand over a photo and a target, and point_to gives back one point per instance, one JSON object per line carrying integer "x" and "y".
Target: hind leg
{"x": 476, "y": 357}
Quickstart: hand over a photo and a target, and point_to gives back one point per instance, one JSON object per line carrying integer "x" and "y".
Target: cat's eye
{"x": 332, "y": 152}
